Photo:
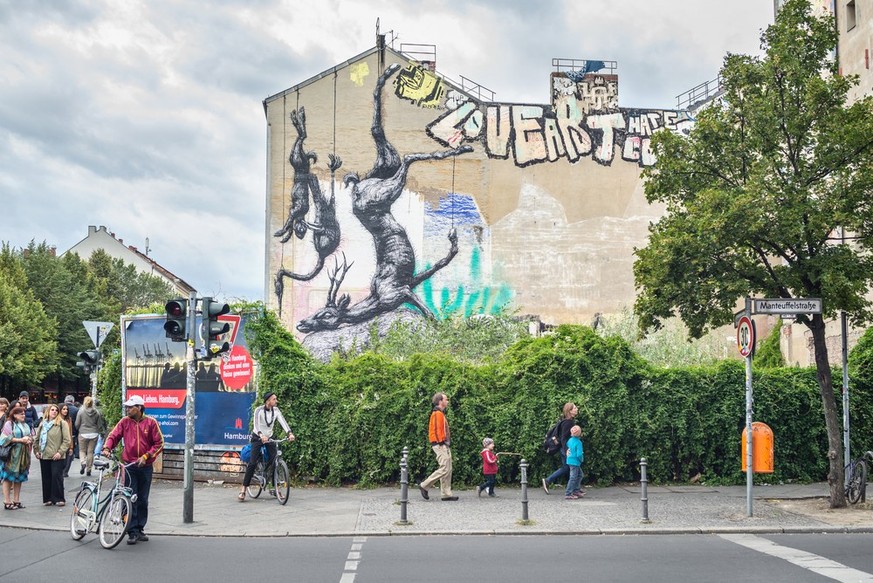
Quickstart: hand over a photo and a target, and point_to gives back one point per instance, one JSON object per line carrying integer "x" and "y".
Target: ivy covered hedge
{"x": 353, "y": 417}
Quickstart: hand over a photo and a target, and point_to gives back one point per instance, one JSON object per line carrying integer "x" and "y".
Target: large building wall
{"x": 548, "y": 205}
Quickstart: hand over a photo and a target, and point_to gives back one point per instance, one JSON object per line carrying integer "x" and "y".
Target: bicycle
{"x": 856, "y": 478}
{"x": 281, "y": 483}
{"x": 108, "y": 515}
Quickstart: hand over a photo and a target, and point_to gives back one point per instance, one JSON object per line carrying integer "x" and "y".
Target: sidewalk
{"x": 325, "y": 511}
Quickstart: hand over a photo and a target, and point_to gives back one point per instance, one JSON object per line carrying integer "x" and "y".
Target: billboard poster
{"x": 154, "y": 368}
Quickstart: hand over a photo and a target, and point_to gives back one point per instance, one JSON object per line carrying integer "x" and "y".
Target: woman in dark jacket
{"x": 568, "y": 419}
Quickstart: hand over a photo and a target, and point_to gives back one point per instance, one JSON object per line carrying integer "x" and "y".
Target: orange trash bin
{"x": 762, "y": 448}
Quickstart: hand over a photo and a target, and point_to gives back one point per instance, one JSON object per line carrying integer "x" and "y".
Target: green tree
{"x": 768, "y": 354}
{"x": 124, "y": 288}
{"x": 27, "y": 334}
{"x": 67, "y": 293}
{"x": 759, "y": 194}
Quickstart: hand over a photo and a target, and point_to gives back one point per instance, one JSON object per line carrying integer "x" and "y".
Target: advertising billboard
{"x": 154, "y": 368}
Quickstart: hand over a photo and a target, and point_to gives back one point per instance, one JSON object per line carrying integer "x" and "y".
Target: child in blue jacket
{"x": 575, "y": 457}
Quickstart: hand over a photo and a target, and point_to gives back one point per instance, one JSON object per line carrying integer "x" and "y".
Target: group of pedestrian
{"x": 439, "y": 436}
{"x": 52, "y": 439}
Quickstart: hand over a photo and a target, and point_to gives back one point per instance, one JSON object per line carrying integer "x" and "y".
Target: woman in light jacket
{"x": 52, "y": 443}
{"x": 89, "y": 424}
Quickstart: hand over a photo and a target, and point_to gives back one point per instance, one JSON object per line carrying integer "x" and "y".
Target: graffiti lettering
{"x": 536, "y": 133}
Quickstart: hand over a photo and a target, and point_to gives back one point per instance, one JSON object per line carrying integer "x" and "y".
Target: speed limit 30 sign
{"x": 745, "y": 336}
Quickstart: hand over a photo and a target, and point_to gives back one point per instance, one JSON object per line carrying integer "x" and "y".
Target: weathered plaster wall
{"x": 548, "y": 206}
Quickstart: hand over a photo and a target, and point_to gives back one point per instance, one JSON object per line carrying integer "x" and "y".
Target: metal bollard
{"x": 644, "y": 491}
{"x": 404, "y": 484}
{"x": 523, "y": 464}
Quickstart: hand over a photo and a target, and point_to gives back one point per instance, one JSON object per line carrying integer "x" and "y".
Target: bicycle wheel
{"x": 254, "y": 489}
{"x": 79, "y": 523}
{"x": 114, "y": 521}
{"x": 856, "y": 486}
{"x": 281, "y": 482}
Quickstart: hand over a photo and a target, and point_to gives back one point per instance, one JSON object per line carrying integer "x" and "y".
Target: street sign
{"x": 746, "y": 336}
{"x": 97, "y": 331}
{"x": 787, "y": 306}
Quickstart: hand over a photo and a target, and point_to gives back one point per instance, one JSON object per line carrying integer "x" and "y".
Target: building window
{"x": 851, "y": 17}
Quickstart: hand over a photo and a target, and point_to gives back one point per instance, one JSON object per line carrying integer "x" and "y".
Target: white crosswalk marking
{"x": 353, "y": 560}
{"x": 815, "y": 563}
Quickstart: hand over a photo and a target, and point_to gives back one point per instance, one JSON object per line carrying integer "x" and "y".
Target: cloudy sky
{"x": 146, "y": 115}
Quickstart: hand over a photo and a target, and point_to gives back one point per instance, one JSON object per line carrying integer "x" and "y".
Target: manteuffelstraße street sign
{"x": 787, "y": 306}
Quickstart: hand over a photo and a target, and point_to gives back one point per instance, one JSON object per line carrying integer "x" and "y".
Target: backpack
{"x": 552, "y": 441}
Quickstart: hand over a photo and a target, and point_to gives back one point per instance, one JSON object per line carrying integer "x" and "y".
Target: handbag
{"x": 245, "y": 454}
{"x": 5, "y": 451}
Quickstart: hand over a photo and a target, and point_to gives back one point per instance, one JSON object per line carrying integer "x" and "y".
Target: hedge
{"x": 353, "y": 416}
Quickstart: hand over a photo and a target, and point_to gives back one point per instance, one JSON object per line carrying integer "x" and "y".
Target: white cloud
{"x": 116, "y": 113}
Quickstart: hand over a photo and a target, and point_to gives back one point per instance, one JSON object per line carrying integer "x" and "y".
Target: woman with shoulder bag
{"x": 18, "y": 435}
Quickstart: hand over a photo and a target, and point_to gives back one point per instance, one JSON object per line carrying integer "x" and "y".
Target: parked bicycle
{"x": 856, "y": 478}
{"x": 109, "y": 515}
{"x": 277, "y": 470}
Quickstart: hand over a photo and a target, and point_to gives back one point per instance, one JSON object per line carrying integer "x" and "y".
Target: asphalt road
{"x": 29, "y": 555}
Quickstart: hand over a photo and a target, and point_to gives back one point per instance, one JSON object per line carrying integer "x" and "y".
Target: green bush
{"x": 354, "y": 416}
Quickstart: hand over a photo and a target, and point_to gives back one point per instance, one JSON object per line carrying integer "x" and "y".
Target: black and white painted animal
{"x": 395, "y": 278}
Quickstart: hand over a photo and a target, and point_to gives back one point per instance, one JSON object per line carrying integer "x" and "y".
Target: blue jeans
{"x": 140, "y": 481}
{"x": 575, "y": 480}
{"x": 560, "y": 472}
{"x": 490, "y": 480}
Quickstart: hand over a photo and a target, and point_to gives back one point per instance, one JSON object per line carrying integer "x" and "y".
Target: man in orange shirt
{"x": 440, "y": 440}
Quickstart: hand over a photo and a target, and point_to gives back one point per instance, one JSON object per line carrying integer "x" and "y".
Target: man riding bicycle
{"x": 264, "y": 419}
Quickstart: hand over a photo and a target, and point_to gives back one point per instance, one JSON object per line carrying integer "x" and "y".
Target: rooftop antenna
{"x": 147, "y": 248}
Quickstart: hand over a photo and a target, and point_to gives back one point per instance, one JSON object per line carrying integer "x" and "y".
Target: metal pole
{"x": 96, "y": 368}
{"x": 847, "y": 457}
{"x": 750, "y": 475}
{"x": 404, "y": 484}
{"x": 524, "y": 514}
{"x": 188, "y": 494}
{"x": 644, "y": 491}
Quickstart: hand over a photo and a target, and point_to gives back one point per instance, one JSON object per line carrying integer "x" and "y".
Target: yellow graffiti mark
{"x": 359, "y": 72}
{"x": 419, "y": 85}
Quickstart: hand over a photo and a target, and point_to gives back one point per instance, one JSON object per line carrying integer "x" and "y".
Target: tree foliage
{"x": 760, "y": 193}
{"x": 27, "y": 334}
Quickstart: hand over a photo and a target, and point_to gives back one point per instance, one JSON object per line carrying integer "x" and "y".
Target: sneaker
{"x": 493, "y": 495}
{"x": 132, "y": 538}
{"x": 424, "y": 493}
{"x": 545, "y": 486}
{"x": 571, "y": 497}
{"x": 578, "y": 493}
{"x": 142, "y": 537}
{"x": 82, "y": 470}
{"x": 479, "y": 491}
{"x": 449, "y": 498}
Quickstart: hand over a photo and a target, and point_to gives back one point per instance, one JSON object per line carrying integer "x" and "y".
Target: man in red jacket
{"x": 440, "y": 440}
{"x": 142, "y": 442}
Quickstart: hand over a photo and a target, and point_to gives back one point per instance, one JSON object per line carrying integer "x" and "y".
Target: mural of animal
{"x": 300, "y": 162}
{"x": 372, "y": 198}
{"x": 325, "y": 229}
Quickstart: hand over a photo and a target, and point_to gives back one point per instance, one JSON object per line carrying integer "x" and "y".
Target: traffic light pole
{"x": 188, "y": 497}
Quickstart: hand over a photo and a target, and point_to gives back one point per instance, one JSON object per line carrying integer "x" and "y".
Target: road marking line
{"x": 812, "y": 562}
{"x": 351, "y": 566}
{"x": 359, "y": 539}
{"x": 354, "y": 556}
{"x": 357, "y": 547}
{"x": 347, "y": 578}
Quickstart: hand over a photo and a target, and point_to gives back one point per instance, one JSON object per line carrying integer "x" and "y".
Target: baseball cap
{"x": 134, "y": 400}
{"x": 24, "y": 394}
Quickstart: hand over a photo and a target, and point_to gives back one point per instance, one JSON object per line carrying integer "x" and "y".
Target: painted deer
{"x": 372, "y": 198}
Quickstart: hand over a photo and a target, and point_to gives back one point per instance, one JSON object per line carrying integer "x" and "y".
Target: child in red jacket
{"x": 489, "y": 468}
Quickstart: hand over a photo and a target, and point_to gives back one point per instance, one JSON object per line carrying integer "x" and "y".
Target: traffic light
{"x": 177, "y": 320}
{"x": 90, "y": 360}
{"x": 213, "y": 328}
